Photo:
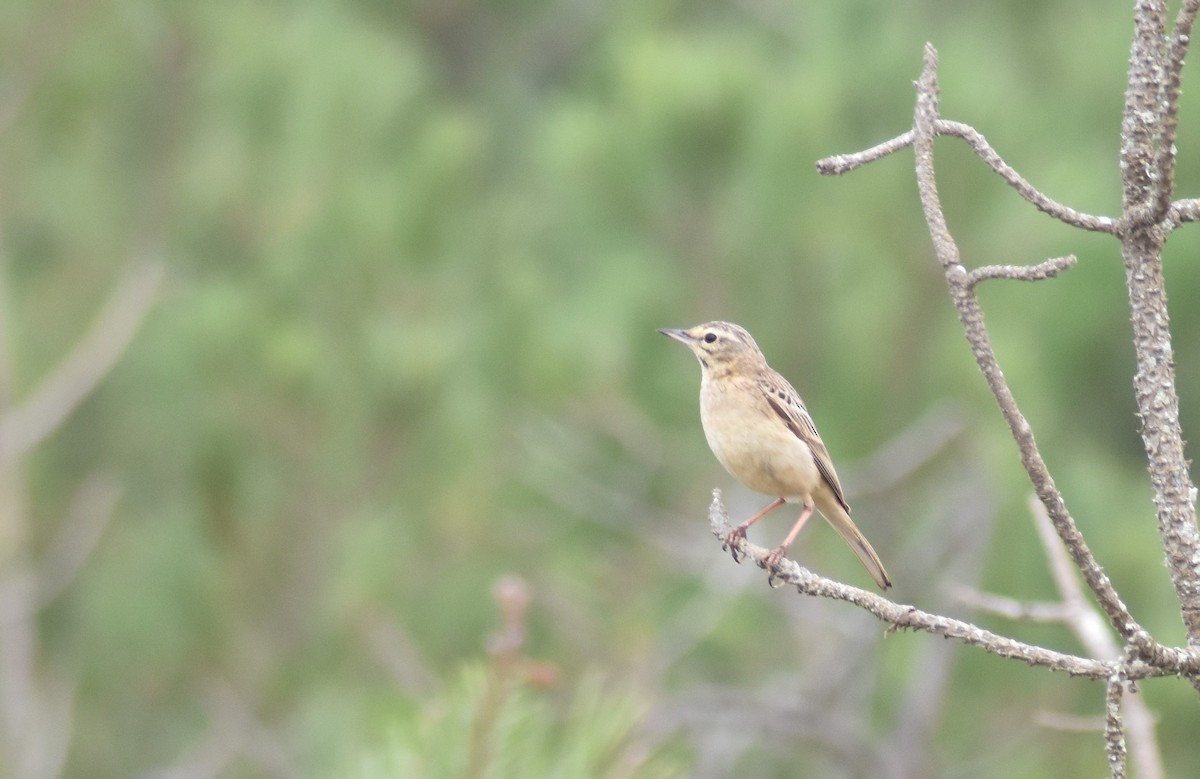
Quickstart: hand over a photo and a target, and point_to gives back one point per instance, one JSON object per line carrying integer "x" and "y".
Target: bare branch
{"x": 1181, "y": 36}
{"x": 1076, "y": 613}
{"x": 395, "y": 652}
{"x": 1141, "y": 116}
{"x": 1114, "y": 732}
{"x": 1070, "y": 723}
{"x": 957, "y": 551}
{"x": 1177, "y": 49}
{"x": 844, "y": 163}
{"x": 1083, "y": 621}
{"x": 905, "y": 453}
{"x": 1148, "y": 215}
{"x": 993, "y": 160}
{"x": 1010, "y": 608}
{"x": 971, "y": 316}
{"x": 1040, "y": 272}
{"x": 1144, "y": 229}
{"x": 89, "y": 515}
{"x": 24, "y": 427}
{"x": 1183, "y": 211}
{"x": 235, "y": 732}
{"x": 899, "y": 616}
{"x": 41, "y": 47}
{"x": 1087, "y": 625}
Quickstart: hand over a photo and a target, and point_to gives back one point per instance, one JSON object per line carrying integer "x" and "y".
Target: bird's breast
{"x": 754, "y": 444}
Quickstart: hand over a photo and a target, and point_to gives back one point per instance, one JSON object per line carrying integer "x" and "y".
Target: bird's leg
{"x": 777, "y": 554}
{"x": 739, "y": 532}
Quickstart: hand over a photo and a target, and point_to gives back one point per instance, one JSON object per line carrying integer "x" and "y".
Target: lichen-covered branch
{"x": 844, "y": 163}
{"x": 1177, "y": 48}
{"x": 1146, "y": 191}
{"x": 985, "y": 152}
{"x": 971, "y": 316}
{"x": 1183, "y": 211}
{"x": 838, "y": 164}
{"x": 1114, "y": 726}
{"x": 901, "y": 616}
{"x": 1040, "y": 272}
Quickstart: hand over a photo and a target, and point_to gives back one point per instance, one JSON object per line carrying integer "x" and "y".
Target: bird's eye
{"x": 710, "y": 338}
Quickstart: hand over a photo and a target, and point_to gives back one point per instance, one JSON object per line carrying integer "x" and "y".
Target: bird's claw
{"x": 730, "y": 544}
{"x": 771, "y": 564}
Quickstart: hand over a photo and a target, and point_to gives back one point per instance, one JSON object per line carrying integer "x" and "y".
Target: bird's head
{"x": 718, "y": 345}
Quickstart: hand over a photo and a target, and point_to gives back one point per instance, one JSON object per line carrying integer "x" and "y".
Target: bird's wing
{"x": 787, "y": 404}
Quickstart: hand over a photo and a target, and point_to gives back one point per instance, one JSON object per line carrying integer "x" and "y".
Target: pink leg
{"x": 739, "y": 532}
{"x": 779, "y": 551}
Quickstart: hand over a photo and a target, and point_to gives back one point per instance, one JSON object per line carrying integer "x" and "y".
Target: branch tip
{"x": 1040, "y": 272}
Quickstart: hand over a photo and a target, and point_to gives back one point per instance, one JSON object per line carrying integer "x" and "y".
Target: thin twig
{"x": 1070, "y": 723}
{"x": 838, "y": 164}
{"x": 844, "y": 163}
{"x": 1046, "y": 205}
{"x": 1114, "y": 732}
{"x": 1040, "y": 272}
{"x": 1011, "y": 608}
{"x": 24, "y": 427}
{"x": 907, "y": 452}
{"x": 956, "y": 551}
{"x": 1177, "y": 49}
{"x": 236, "y": 734}
{"x": 89, "y": 515}
{"x": 1092, "y": 632}
{"x": 1183, "y": 211}
{"x": 1079, "y": 616}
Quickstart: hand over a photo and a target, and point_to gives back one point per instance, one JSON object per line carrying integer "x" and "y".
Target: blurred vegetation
{"x": 416, "y": 254}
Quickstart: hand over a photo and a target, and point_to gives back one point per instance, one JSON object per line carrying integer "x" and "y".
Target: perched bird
{"x": 757, "y": 426}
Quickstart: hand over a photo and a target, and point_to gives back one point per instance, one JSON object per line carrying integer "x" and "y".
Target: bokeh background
{"x": 400, "y": 387}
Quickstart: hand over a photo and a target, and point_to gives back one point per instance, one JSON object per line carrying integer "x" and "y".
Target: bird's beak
{"x": 679, "y": 335}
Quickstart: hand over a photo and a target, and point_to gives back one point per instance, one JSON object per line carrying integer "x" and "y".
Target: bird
{"x": 761, "y": 432}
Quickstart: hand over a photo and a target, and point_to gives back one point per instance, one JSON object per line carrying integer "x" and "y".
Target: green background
{"x": 416, "y": 254}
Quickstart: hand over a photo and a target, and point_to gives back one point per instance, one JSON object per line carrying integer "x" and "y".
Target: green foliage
{"x": 487, "y": 726}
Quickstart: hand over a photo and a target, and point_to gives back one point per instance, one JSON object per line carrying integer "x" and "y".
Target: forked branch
{"x": 1142, "y": 656}
{"x": 970, "y": 314}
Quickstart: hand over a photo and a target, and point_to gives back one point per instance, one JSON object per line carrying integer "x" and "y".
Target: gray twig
{"x": 1040, "y": 272}
{"x": 844, "y": 163}
{"x": 1177, "y": 48}
{"x": 51, "y": 404}
{"x": 1114, "y": 731}
{"x": 1182, "y": 212}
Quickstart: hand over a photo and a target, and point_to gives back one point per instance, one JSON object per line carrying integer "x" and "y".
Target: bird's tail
{"x": 845, "y": 527}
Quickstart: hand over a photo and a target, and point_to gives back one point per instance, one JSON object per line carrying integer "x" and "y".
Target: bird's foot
{"x": 730, "y": 544}
{"x": 771, "y": 564}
